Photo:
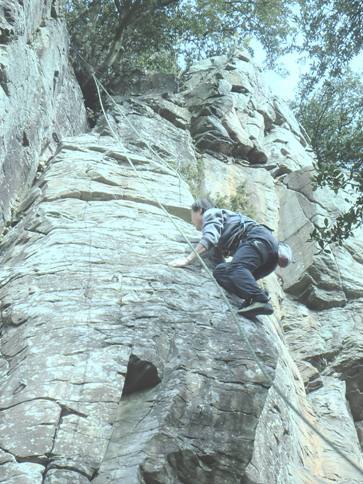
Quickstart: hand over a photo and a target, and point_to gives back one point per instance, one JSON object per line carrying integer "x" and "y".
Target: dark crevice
{"x": 7, "y": 452}
{"x": 24, "y": 348}
{"x": 148, "y": 478}
{"x": 56, "y": 139}
{"x": 305, "y": 196}
{"x": 3, "y": 76}
{"x": 5, "y": 36}
{"x": 352, "y": 373}
{"x": 281, "y": 171}
{"x": 140, "y": 375}
{"x": 34, "y": 459}
{"x": 95, "y": 474}
{"x": 173, "y": 119}
{"x": 88, "y": 89}
{"x": 256, "y": 156}
{"x": 109, "y": 197}
{"x": 66, "y": 468}
{"x": 53, "y": 10}
{"x": 19, "y": 388}
{"x": 55, "y": 79}
{"x": 70, "y": 411}
{"x": 9, "y": 15}
{"x": 322, "y": 361}
{"x": 7, "y": 33}
{"x": 25, "y": 141}
{"x": 30, "y": 400}
{"x": 240, "y": 89}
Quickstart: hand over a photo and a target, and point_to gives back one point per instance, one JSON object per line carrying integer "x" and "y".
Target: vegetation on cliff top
{"x": 119, "y": 37}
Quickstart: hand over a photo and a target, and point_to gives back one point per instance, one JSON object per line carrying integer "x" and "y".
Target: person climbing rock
{"x": 252, "y": 245}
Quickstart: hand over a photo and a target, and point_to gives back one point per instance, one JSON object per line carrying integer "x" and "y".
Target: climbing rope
{"x": 236, "y": 319}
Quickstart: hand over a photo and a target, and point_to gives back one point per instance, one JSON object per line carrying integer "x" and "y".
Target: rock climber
{"x": 253, "y": 248}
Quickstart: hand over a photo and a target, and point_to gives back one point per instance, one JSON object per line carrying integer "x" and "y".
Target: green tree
{"x": 333, "y": 118}
{"x": 117, "y": 36}
{"x": 214, "y": 27}
{"x": 331, "y": 33}
{"x": 152, "y": 33}
{"x": 330, "y": 104}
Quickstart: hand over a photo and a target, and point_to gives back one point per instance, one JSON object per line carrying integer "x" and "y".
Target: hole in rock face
{"x": 7, "y": 31}
{"x": 53, "y": 10}
{"x": 55, "y": 78}
{"x": 3, "y": 77}
{"x": 25, "y": 141}
{"x": 19, "y": 388}
{"x": 33, "y": 459}
{"x": 140, "y": 375}
{"x": 55, "y": 137}
{"x": 89, "y": 92}
{"x": 9, "y": 15}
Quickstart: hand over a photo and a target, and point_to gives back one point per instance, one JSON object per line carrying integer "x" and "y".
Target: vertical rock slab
{"x": 320, "y": 280}
{"x": 40, "y": 100}
{"x": 334, "y": 416}
{"x": 117, "y": 367}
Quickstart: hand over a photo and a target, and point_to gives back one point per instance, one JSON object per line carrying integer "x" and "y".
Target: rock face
{"x": 115, "y": 367}
{"x": 116, "y": 333}
{"x": 40, "y": 101}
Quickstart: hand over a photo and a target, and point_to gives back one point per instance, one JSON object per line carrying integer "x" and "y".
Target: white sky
{"x": 285, "y": 87}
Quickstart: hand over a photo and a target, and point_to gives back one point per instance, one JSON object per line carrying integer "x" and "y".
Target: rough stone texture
{"x": 115, "y": 367}
{"x": 161, "y": 135}
{"x": 235, "y": 114}
{"x": 222, "y": 179}
{"x": 90, "y": 255}
{"x": 40, "y": 101}
{"x": 325, "y": 280}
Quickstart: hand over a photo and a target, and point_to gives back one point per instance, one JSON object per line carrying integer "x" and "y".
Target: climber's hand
{"x": 179, "y": 262}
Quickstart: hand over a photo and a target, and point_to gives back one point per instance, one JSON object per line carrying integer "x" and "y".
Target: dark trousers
{"x": 254, "y": 258}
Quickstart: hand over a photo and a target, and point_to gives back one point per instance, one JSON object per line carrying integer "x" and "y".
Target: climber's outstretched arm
{"x": 200, "y": 249}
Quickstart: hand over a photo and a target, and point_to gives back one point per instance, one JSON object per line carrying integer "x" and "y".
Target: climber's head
{"x": 198, "y": 208}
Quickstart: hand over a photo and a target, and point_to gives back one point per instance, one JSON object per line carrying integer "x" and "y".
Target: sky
{"x": 285, "y": 87}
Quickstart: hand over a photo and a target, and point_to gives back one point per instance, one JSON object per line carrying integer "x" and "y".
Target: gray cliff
{"x": 115, "y": 367}
{"x": 40, "y": 101}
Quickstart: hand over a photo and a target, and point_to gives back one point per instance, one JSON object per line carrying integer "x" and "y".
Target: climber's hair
{"x": 202, "y": 204}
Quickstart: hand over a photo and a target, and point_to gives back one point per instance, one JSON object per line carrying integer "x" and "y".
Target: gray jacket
{"x": 224, "y": 229}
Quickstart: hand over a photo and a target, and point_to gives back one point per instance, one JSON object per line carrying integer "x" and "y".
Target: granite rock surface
{"x": 115, "y": 367}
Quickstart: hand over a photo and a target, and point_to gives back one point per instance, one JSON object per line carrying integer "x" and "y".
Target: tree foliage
{"x": 332, "y": 35}
{"x": 118, "y": 36}
{"x": 333, "y": 118}
{"x": 115, "y": 35}
{"x": 330, "y": 105}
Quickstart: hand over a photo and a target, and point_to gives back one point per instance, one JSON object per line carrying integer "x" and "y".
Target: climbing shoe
{"x": 255, "y": 308}
{"x": 248, "y": 302}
